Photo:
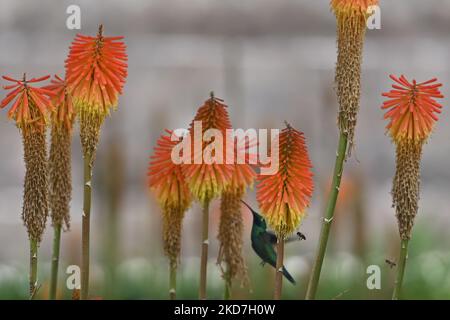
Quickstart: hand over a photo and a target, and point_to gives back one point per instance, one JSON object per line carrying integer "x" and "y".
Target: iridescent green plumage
{"x": 263, "y": 242}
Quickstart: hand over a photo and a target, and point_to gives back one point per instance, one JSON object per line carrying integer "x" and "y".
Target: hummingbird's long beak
{"x": 250, "y": 208}
{"x": 246, "y": 205}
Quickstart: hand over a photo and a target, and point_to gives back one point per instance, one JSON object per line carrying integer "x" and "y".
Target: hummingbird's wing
{"x": 270, "y": 237}
{"x": 263, "y": 246}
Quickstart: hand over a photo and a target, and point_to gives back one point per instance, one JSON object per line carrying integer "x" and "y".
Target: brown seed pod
{"x": 60, "y": 175}
{"x": 90, "y": 124}
{"x": 230, "y": 235}
{"x": 35, "y": 202}
{"x": 350, "y": 39}
{"x": 172, "y": 224}
{"x": 406, "y": 185}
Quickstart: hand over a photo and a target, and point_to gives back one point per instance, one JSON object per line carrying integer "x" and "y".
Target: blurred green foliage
{"x": 344, "y": 276}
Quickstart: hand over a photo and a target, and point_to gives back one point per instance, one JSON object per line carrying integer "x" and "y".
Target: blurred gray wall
{"x": 269, "y": 60}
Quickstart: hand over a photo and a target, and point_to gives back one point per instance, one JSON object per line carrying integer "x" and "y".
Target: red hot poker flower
{"x": 96, "y": 69}
{"x": 166, "y": 178}
{"x": 167, "y": 182}
{"x": 62, "y": 101}
{"x": 412, "y": 108}
{"x": 31, "y": 105}
{"x": 206, "y": 181}
{"x": 284, "y": 196}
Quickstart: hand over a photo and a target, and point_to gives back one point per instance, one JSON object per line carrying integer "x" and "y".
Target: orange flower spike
{"x": 284, "y": 196}
{"x": 96, "y": 70}
{"x": 165, "y": 178}
{"x": 31, "y": 105}
{"x": 62, "y": 102}
{"x": 243, "y": 175}
{"x": 412, "y": 108}
{"x": 206, "y": 181}
{"x": 167, "y": 182}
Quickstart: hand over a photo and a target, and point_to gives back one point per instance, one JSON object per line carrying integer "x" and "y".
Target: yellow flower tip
{"x": 411, "y": 109}
{"x": 284, "y": 196}
{"x": 352, "y": 7}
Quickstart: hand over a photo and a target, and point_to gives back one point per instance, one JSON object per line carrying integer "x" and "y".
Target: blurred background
{"x": 270, "y": 61}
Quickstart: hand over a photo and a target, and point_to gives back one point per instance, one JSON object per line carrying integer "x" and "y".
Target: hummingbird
{"x": 263, "y": 242}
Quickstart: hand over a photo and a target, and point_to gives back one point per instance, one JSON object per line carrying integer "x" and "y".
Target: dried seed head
{"x": 351, "y": 26}
{"x": 352, "y": 7}
{"x": 172, "y": 220}
{"x": 90, "y": 125}
{"x": 60, "y": 176}
{"x": 35, "y": 202}
{"x": 231, "y": 227}
{"x": 406, "y": 186}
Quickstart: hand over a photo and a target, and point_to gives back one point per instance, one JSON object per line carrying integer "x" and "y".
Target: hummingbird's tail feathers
{"x": 288, "y": 276}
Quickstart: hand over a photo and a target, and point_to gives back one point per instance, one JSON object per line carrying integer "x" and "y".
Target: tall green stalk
{"x": 205, "y": 245}
{"x": 33, "y": 268}
{"x": 173, "y": 282}
{"x": 55, "y": 261}
{"x": 227, "y": 287}
{"x": 279, "y": 268}
{"x": 328, "y": 218}
{"x": 401, "y": 269}
{"x": 85, "y": 233}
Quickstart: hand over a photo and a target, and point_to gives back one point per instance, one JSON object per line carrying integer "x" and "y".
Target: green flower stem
{"x": 205, "y": 244}
{"x": 85, "y": 233}
{"x": 328, "y": 218}
{"x": 228, "y": 286}
{"x": 279, "y": 269}
{"x": 33, "y": 268}
{"x": 401, "y": 269}
{"x": 55, "y": 260}
{"x": 173, "y": 282}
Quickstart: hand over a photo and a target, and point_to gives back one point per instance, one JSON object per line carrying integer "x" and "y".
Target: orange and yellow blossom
{"x": 284, "y": 196}
{"x": 167, "y": 182}
{"x": 412, "y": 112}
{"x": 166, "y": 178}
{"x": 64, "y": 113}
{"x": 412, "y": 108}
{"x": 207, "y": 180}
{"x": 31, "y": 106}
{"x": 96, "y": 69}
